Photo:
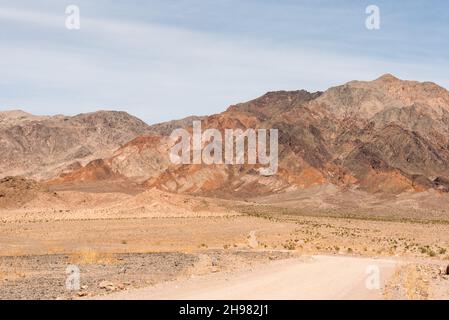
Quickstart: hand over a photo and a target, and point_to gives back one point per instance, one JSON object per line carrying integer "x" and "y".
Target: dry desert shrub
{"x": 12, "y": 272}
{"x": 16, "y": 253}
{"x": 12, "y": 268}
{"x": 90, "y": 256}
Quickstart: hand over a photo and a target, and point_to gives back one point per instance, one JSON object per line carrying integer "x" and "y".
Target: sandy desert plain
{"x": 147, "y": 244}
{"x": 357, "y": 210}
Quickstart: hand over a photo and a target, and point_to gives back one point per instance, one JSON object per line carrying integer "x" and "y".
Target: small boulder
{"x": 109, "y": 286}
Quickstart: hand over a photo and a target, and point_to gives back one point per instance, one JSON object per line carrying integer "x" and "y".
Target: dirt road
{"x": 317, "y": 277}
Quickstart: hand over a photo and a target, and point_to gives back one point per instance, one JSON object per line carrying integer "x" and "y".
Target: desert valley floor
{"x": 360, "y": 197}
{"x": 148, "y": 244}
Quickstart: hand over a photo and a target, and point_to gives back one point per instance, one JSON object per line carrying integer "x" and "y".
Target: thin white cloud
{"x": 158, "y": 72}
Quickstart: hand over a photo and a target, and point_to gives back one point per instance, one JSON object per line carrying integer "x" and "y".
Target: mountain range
{"x": 384, "y": 136}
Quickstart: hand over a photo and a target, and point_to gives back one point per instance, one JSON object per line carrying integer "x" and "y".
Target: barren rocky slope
{"x": 43, "y": 146}
{"x": 386, "y": 135}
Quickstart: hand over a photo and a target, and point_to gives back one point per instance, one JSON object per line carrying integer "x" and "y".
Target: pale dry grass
{"x": 11, "y": 276}
{"x": 15, "y": 253}
{"x": 12, "y": 271}
{"x": 408, "y": 283}
{"x": 415, "y": 287}
{"x": 91, "y": 257}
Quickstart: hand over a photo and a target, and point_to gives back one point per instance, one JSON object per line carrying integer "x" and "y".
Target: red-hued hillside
{"x": 381, "y": 136}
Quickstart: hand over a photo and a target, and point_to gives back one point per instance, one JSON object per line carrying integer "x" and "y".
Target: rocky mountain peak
{"x": 387, "y": 77}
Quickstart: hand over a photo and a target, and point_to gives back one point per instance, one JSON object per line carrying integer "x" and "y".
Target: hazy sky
{"x": 167, "y": 59}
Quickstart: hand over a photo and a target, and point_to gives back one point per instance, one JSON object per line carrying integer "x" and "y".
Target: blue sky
{"x": 167, "y": 59}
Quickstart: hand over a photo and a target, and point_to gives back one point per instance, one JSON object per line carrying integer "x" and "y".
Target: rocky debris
{"x": 123, "y": 270}
{"x": 109, "y": 286}
{"x": 42, "y": 275}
